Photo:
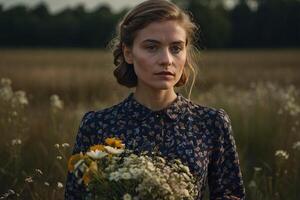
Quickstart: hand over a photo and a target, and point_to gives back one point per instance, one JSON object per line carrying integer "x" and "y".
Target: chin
{"x": 157, "y": 85}
{"x": 163, "y": 86}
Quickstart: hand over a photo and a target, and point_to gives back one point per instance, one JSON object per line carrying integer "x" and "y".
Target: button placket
{"x": 161, "y": 121}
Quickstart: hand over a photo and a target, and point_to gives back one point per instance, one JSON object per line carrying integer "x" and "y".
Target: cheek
{"x": 142, "y": 63}
{"x": 181, "y": 62}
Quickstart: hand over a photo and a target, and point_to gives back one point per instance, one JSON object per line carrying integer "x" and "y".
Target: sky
{"x": 57, "y": 5}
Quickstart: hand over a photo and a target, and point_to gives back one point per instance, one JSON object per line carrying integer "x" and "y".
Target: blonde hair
{"x": 137, "y": 19}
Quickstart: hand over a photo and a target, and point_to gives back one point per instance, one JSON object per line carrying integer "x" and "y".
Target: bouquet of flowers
{"x": 109, "y": 171}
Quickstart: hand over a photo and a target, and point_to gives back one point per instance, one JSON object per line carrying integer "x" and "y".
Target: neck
{"x": 155, "y": 100}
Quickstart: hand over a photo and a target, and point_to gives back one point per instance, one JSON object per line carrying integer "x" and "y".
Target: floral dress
{"x": 201, "y": 137}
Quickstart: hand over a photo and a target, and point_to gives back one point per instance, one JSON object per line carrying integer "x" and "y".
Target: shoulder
{"x": 216, "y": 123}
{"x": 110, "y": 112}
{"x": 213, "y": 118}
{"x": 92, "y": 118}
{"x": 206, "y": 112}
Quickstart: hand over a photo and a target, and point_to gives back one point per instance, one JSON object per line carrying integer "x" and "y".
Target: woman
{"x": 154, "y": 55}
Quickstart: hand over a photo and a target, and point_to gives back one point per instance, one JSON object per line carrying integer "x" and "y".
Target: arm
{"x": 74, "y": 190}
{"x": 224, "y": 174}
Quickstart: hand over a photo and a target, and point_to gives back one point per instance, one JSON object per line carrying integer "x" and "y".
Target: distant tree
{"x": 14, "y": 26}
{"x": 98, "y": 27}
{"x": 278, "y": 22}
{"x": 244, "y": 32}
{"x": 274, "y": 23}
{"x": 214, "y": 22}
{"x": 66, "y": 29}
{"x": 41, "y": 11}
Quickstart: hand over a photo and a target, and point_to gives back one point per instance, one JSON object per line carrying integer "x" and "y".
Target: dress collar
{"x": 133, "y": 109}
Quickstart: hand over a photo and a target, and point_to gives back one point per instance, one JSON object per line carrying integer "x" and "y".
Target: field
{"x": 259, "y": 89}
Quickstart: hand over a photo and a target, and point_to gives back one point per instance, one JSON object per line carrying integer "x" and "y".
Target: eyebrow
{"x": 157, "y": 42}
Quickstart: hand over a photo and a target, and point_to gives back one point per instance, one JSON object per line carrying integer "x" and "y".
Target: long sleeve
{"x": 224, "y": 174}
{"x": 74, "y": 190}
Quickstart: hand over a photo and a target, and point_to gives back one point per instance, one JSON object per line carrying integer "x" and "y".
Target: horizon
{"x": 55, "y": 6}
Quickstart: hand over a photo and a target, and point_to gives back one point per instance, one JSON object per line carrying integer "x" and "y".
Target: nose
{"x": 166, "y": 58}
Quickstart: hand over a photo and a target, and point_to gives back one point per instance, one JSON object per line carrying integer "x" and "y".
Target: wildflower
{"x": 282, "y": 154}
{"x": 98, "y": 147}
{"x": 65, "y": 145}
{"x": 280, "y": 112}
{"x": 96, "y": 154}
{"x": 59, "y": 158}
{"x": 93, "y": 166}
{"x": 135, "y": 172}
{"x": 127, "y": 196}
{"x": 47, "y": 184}
{"x": 114, "y": 176}
{"x": 11, "y": 191}
{"x": 5, "y": 82}
{"x": 185, "y": 169}
{"x": 87, "y": 176}
{"x": 56, "y": 103}
{"x": 16, "y": 142}
{"x": 39, "y": 171}
{"x": 257, "y": 169}
{"x": 29, "y": 179}
{"x": 56, "y": 146}
{"x": 291, "y": 105}
{"x": 81, "y": 166}
{"x": 6, "y": 92}
{"x": 7, "y": 194}
{"x": 126, "y": 176}
{"x": 159, "y": 179}
{"x": 14, "y": 113}
{"x": 167, "y": 187}
{"x": 74, "y": 159}
{"x": 185, "y": 192}
{"x": 113, "y": 142}
{"x": 59, "y": 185}
{"x": 150, "y": 166}
{"x": 296, "y": 145}
{"x": 252, "y": 184}
{"x": 19, "y": 98}
{"x": 112, "y": 150}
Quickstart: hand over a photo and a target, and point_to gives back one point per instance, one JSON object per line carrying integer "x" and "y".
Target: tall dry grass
{"x": 259, "y": 89}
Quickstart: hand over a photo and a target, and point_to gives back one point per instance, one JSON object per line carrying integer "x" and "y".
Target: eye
{"x": 151, "y": 48}
{"x": 176, "y": 49}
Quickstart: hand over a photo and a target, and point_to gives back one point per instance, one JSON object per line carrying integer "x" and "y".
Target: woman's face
{"x": 158, "y": 55}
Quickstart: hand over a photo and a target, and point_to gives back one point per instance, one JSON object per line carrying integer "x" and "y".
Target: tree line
{"x": 249, "y": 24}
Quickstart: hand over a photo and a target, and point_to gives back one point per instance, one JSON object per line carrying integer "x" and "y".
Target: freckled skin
{"x": 160, "y": 46}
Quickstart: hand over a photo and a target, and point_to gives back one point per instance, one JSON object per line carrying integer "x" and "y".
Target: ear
{"x": 127, "y": 52}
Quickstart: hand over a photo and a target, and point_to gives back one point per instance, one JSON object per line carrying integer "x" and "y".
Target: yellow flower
{"x": 93, "y": 166}
{"x": 114, "y": 142}
{"x": 73, "y": 160}
{"x": 87, "y": 177}
{"x": 88, "y": 174}
{"x": 98, "y": 147}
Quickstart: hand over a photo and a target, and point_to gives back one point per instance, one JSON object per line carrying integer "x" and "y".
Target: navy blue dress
{"x": 201, "y": 137}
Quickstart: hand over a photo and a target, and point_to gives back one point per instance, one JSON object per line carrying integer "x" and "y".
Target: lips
{"x": 165, "y": 73}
